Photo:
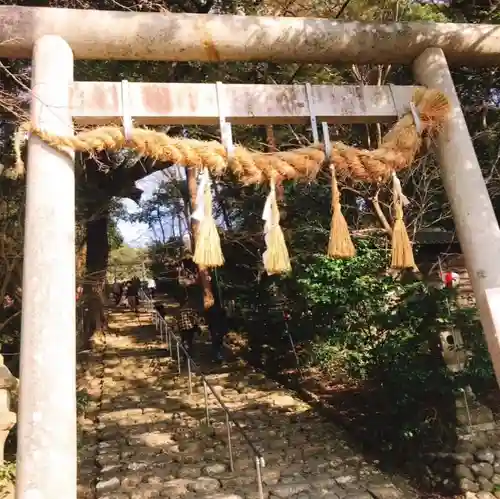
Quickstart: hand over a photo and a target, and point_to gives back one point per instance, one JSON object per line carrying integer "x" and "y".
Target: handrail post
{"x": 205, "y": 393}
{"x": 259, "y": 476}
{"x": 179, "y": 367}
{"x": 190, "y": 383}
{"x": 229, "y": 443}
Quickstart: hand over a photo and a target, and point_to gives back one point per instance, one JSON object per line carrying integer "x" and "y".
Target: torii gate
{"x": 47, "y": 453}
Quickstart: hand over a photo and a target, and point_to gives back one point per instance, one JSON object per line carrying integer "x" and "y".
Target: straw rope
{"x": 397, "y": 151}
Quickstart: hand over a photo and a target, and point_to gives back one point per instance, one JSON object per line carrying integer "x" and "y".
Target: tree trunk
{"x": 81, "y": 259}
{"x": 270, "y": 139}
{"x": 203, "y": 272}
{"x": 222, "y": 204}
{"x": 96, "y": 267}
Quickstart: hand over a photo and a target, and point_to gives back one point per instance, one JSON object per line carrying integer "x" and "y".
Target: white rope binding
{"x": 127, "y": 121}
{"x": 268, "y": 215}
{"x": 199, "y": 213}
{"x": 416, "y": 117}
{"x": 398, "y": 190}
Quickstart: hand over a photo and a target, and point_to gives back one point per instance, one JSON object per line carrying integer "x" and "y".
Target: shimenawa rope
{"x": 397, "y": 151}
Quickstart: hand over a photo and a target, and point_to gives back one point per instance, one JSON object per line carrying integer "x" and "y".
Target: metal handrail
{"x": 196, "y": 368}
{"x": 163, "y": 327}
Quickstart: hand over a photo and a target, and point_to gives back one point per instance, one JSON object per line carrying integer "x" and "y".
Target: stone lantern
{"x": 8, "y": 383}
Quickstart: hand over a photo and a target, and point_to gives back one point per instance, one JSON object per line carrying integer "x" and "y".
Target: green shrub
{"x": 384, "y": 332}
{"x": 82, "y": 401}
{"x": 7, "y": 474}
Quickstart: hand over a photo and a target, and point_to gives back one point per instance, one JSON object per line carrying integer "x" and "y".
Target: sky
{"x": 138, "y": 235}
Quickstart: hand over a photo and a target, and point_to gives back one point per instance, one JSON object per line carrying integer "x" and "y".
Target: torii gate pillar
{"x": 46, "y": 449}
{"x": 475, "y": 220}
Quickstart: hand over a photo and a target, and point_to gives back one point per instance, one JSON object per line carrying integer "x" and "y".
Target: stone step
{"x": 240, "y": 486}
{"x": 221, "y": 496}
{"x": 164, "y": 473}
{"x": 153, "y": 441}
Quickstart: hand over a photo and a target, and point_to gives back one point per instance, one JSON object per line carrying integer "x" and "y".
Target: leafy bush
{"x": 7, "y": 475}
{"x": 383, "y": 332}
{"x": 82, "y": 401}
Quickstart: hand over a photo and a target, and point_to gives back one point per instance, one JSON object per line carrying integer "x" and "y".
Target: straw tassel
{"x": 402, "y": 253}
{"x": 340, "y": 244}
{"x": 276, "y": 259}
{"x": 208, "y": 252}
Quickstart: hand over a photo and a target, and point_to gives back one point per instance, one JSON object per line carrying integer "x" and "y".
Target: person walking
{"x": 132, "y": 295}
{"x": 188, "y": 324}
{"x": 216, "y": 320}
{"x": 79, "y": 293}
{"x": 117, "y": 292}
{"x": 151, "y": 287}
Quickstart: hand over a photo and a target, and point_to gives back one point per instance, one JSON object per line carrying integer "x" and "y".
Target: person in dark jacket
{"x": 160, "y": 308}
{"x": 216, "y": 319}
{"x": 117, "y": 292}
{"x": 133, "y": 294}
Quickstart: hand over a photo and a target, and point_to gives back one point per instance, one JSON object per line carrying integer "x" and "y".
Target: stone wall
{"x": 472, "y": 468}
{"x": 477, "y": 464}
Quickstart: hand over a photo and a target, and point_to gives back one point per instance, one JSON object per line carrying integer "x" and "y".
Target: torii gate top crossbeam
{"x": 108, "y": 35}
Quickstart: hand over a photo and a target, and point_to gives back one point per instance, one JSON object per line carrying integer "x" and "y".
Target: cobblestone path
{"x": 144, "y": 436}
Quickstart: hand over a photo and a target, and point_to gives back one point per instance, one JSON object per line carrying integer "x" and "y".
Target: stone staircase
{"x": 145, "y": 436}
